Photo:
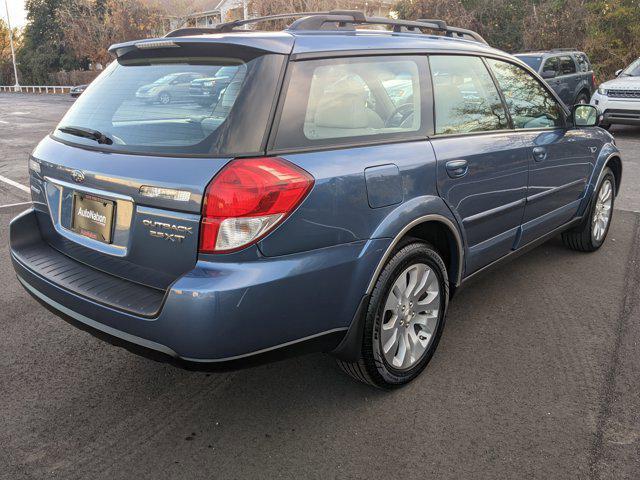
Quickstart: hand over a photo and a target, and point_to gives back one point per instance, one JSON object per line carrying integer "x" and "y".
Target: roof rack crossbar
{"x": 343, "y": 19}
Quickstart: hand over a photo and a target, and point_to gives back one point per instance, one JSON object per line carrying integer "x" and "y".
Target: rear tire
{"x": 582, "y": 99}
{"x": 592, "y": 231}
{"x": 394, "y": 352}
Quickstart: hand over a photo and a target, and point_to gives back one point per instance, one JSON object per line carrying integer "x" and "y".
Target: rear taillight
{"x": 247, "y": 199}
{"x": 593, "y": 79}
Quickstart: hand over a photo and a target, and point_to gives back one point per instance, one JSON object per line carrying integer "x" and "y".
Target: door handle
{"x": 539, "y": 153}
{"x": 457, "y": 168}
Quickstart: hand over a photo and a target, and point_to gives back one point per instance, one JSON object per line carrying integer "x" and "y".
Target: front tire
{"x": 592, "y": 232}
{"x": 404, "y": 319}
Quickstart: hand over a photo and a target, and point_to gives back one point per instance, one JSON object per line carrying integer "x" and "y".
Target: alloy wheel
{"x": 410, "y": 316}
{"x": 602, "y": 211}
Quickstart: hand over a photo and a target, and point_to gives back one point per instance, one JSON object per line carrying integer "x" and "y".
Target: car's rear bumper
{"x": 217, "y": 314}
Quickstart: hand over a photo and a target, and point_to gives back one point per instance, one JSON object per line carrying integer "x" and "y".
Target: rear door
{"x": 482, "y": 165}
{"x": 552, "y": 64}
{"x": 560, "y": 159}
{"x": 570, "y": 80}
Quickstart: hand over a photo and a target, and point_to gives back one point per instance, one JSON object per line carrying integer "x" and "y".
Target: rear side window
{"x": 529, "y": 103}
{"x": 191, "y": 105}
{"x": 352, "y": 100}
{"x": 567, "y": 65}
{"x": 466, "y": 99}
{"x": 583, "y": 62}
{"x": 551, "y": 65}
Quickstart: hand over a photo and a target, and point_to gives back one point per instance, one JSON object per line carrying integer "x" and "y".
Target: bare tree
{"x": 274, "y": 7}
{"x": 452, "y": 11}
{"x": 92, "y": 26}
{"x": 556, "y": 25}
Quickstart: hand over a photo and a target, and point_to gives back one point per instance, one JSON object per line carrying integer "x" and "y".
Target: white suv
{"x": 619, "y": 99}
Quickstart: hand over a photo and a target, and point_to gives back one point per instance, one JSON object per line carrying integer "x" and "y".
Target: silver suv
{"x": 619, "y": 99}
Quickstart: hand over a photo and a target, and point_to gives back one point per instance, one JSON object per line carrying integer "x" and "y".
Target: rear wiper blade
{"x": 86, "y": 133}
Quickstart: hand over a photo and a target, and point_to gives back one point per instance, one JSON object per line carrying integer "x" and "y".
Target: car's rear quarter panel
{"x": 338, "y": 209}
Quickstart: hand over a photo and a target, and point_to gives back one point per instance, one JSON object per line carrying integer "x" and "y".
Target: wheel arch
{"x": 439, "y": 231}
{"x": 615, "y": 164}
{"x": 609, "y": 157}
{"x": 583, "y": 89}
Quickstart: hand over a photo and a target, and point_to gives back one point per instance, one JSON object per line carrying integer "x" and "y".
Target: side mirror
{"x": 618, "y": 72}
{"x": 585, "y": 115}
{"x": 549, "y": 74}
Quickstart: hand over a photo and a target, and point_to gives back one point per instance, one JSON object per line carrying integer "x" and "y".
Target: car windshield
{"x": 531, "y": 60}
{"x": 147, "y": 106}
{"x": 632, "y": 70}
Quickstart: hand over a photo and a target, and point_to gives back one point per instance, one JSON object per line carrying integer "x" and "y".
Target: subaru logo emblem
{"x": 78, "y": 176}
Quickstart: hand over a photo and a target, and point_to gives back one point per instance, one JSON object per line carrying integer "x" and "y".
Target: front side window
{"x": 529, "y": 103}
{"x": 466, "y": 99}
{"x": 567, "y": 66}
{"x": 346, "y": 100}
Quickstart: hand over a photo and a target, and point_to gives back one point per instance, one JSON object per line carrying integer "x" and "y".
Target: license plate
{"x": 92, "y": 217}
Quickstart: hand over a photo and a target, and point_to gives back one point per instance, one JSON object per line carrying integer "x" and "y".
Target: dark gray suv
{"x": 568, "y": 72}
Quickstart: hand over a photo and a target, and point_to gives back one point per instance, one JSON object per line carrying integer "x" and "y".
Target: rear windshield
{"x": 532, "y": 61}
{"x": 176, "y": 106}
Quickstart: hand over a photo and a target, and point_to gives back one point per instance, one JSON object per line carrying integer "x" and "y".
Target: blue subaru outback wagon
{"x": 332, "y": 198}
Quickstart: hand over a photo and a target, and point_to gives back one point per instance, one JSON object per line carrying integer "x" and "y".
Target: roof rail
{"x": 342, "y": 19}
{"x": 230, "y": 26}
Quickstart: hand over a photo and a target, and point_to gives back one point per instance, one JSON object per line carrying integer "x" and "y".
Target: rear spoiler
{"x": 263, "y": 42}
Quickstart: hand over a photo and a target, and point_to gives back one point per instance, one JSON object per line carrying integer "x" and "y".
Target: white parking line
{"x": 8, "y": 181}
{"x": 14, "y": 205}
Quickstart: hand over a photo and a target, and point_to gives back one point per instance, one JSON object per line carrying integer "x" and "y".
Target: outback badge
{"x": 168, "y": 231}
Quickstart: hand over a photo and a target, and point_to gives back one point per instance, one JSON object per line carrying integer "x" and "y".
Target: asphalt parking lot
{"x": 537, "y": 376}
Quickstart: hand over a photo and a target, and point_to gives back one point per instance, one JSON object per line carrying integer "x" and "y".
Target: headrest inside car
{"x": 343, "y": 105}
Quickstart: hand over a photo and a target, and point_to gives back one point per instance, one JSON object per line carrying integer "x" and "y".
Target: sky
{"x": 17, "y": 13}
